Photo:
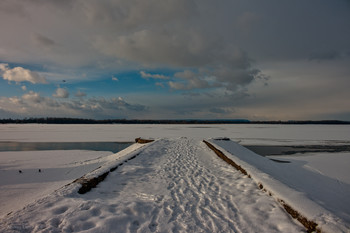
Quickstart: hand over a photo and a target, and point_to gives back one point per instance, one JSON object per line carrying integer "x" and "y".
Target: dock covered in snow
{"x": 175, "y": 185}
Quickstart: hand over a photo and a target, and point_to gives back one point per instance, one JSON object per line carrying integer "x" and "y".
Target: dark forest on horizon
{"x": 54, "y": 120}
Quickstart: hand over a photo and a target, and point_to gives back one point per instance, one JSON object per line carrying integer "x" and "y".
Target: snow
{"x": 57, "y": 169}
{"x": 333, "y": 165}
{"x": 316, "y": 196}
{"x": 246, "y": 134}
{"x": 174, "y": 184}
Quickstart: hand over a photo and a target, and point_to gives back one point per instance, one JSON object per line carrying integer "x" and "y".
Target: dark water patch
{"x": 37, "y": 146}
{"x": 201, "y": 127}
{"x": 290, "y": 150}
{"x": 280, "y": 161}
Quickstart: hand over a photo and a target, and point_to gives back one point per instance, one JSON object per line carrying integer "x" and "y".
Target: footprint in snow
{"x": 153, "y": 227}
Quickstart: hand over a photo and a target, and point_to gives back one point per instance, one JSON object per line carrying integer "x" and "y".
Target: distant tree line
{"x": 55, "y": 120}
{"x": 304, "y": 122}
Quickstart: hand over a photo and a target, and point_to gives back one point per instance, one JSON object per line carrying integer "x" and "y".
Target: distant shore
{"x": 54, "y": 120}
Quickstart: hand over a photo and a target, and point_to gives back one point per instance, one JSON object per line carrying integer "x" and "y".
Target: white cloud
{"x": 159, "y": 84}
{"x": 3, "y": 67}
{"x": 61, "y": 93}
{"x": 24, "y": 88}
{"x": 115, "y": 78}
{"x": 154, "y": 76}
{"x": 32, "y": 97}
{"x": 19, "y": 74}
{"x": 80, "y": 94}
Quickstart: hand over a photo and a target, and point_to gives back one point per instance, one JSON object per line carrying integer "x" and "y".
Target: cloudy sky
{"x": 175, "y": 59}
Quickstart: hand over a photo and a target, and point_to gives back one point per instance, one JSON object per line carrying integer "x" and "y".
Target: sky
{"x": 175, "y": 59}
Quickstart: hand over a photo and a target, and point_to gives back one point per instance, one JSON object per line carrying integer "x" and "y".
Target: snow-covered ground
{"x": 149, "y": 194}
{"x": 173, "y": 185}
{"x": 57, "y": 168}
{"x": 315, "y": 195}
{"x": 332, "y": 165}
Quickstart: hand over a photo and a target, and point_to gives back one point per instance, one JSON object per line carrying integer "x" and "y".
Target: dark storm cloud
{"x": 43, "y": 40}
{"x": 12, "y": 8}
{"x": 33, "y": 104}
{"x": 222, "y": 38}
{"x": 329, "y": 55}
{"x": 226, "y": 46}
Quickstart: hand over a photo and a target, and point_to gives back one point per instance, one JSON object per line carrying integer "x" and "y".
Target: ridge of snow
{"x": 116, "y": 159}
{"x": 265, "y": 172}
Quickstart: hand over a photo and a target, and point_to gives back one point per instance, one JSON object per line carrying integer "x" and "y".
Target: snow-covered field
{"x": 174, "y": 184}
{"x": 57, "y": 168}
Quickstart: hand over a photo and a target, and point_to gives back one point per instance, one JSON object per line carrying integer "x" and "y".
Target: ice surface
{"x": 332, "y": 165}
{"x": 246, "y": 134}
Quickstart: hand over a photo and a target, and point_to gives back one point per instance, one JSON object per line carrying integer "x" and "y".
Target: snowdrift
{"x": 272, "y": 177}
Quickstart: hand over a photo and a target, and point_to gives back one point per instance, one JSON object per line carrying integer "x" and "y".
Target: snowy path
{"x": 173, "y": 185}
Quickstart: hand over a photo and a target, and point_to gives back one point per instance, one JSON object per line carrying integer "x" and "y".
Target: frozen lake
{"x": 245, "y": 134}
{"x": 38, "y": 146}
{"x": 267, "y": 150}
{"x": 264, "y": 150}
